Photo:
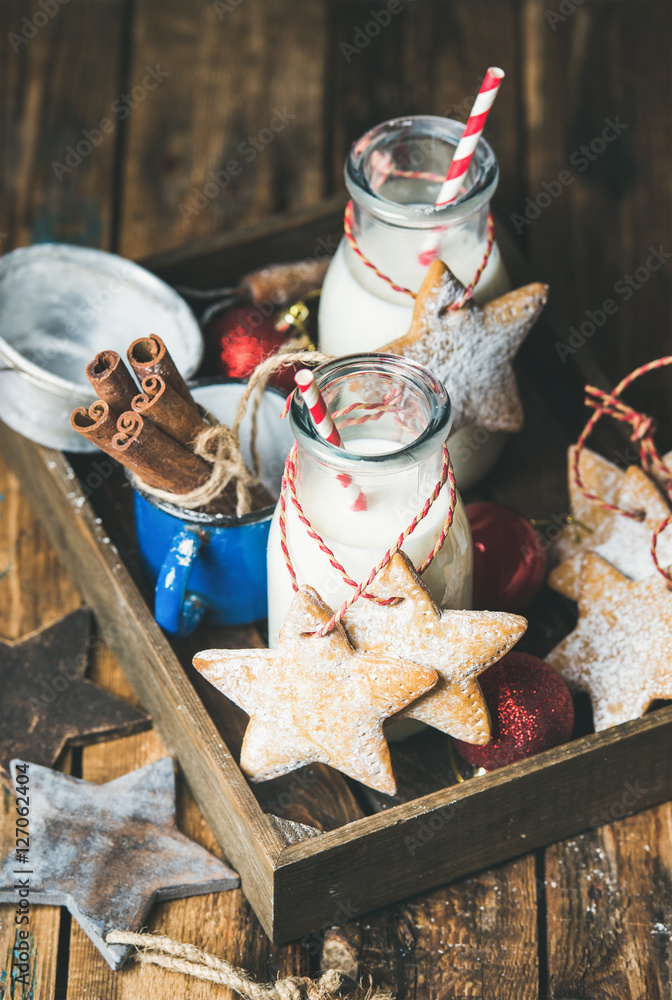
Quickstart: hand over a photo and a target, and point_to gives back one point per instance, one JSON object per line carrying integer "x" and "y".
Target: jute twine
{"x": 643, "y": 428}
{"x": 220, "y": 445}
{"x": 157, "y": 949}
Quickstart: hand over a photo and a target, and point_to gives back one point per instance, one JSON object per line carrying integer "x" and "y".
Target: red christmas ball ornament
{"x": 530, "y": 707}
{"x": 237, "y": 340}
{"x": 509, "y": 559}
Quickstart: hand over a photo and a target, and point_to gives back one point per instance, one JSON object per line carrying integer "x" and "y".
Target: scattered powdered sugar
{"x": 628, "y": 542}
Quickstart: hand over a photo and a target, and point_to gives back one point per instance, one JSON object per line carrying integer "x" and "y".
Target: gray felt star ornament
{"x": 45, "y": 701}
{"x": 107, "y": 852}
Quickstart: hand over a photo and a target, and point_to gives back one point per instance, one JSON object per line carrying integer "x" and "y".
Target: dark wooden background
{"x": 583, "y": 919}
{"x": 231, "y": 62}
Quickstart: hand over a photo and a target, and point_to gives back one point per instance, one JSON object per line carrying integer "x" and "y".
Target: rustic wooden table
{"x": 586, "y": 918}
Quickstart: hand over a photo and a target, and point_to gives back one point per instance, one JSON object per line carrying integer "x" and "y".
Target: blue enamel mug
{"x": 213, "y": 567}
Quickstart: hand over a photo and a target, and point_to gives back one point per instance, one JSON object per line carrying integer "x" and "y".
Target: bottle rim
{"x": 356, "y": 365}
{"x": 483, "y": 171}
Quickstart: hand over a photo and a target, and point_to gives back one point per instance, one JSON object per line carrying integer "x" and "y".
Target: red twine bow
{"x": 643, "y": 428}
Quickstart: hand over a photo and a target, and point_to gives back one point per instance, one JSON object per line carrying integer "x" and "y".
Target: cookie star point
{"x": 600, "y": 477}
{"x": 620, "y": 652}
{"x": 471, "y": 349}
{"x": 46, "y": 701}
{"x": 622, "y": 541}
{"x": 315, "y": 699}
{"x": 459, "y": 645}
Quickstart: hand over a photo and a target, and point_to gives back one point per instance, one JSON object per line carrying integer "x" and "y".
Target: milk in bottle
{"x": 393, "y": 174}
{"x": 361, "y": 497}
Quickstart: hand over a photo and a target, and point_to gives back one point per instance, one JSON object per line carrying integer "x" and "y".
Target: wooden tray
{"x": 365, "y": 850}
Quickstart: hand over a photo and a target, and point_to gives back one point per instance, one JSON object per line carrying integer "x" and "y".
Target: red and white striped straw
{"x": 317, "y": 407}
{"x": 469, "y": 141}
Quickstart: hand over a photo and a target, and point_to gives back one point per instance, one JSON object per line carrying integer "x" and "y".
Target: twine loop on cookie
{"x": 348, "y": 227}
{"x": 158, "y": 949}
{"x": 360, "y": 589}
{"x": 643, "y": 429}
{"x": 643, "y": 426}
{"x": 665, "y": 573}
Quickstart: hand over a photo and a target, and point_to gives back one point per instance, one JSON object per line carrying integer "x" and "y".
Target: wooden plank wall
{"x": 587, "y": 917}
{"x": 230, "y": 63}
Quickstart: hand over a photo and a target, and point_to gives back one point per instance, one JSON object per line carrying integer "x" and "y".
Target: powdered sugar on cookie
{"x": 471, "y": 349}
{"x": 603, "y": 479}
{"x": 314, "y": 699}
{"x": 620, "y": 652}
{"x": 623, "y": 541}
{"x": 459, "y": 645}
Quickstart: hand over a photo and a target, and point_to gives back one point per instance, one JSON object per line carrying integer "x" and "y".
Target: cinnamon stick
{"x": 148, "y": 356}
{"x": 285, "y": 283}
{"x": 111, "y": 380}
{"x": 166, "y": 409}
{"x": 98, "y": 424}
{"x": 156, "y": 458}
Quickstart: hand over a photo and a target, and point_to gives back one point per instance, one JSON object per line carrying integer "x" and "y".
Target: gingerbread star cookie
{"x": 664, "y": 480}
{"x": 599, "y": 476}
{"x": 623, "y": 541}
{"x": 471, "y": 349}
{"x": 459, "y": 645}
{"x": 620, "y": 652}
{"x": 314, "y": 699}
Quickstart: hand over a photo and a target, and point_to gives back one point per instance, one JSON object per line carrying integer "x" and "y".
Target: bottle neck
{"x": 369, "y": 505}
{"x": 403, "y": 252}
{"x": 394, "y": 174}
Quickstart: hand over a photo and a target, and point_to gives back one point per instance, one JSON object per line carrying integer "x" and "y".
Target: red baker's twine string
{"x": 643, "y": 429}
{"x": 469, "y": 291}
{"x": 388, "y": 404}
{"x": 654, "y": 541}
{"x": 359, "y": 590}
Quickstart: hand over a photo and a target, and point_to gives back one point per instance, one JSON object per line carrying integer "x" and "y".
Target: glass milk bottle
{"x": 360, "y": 498}
{"x": 393, "y": 174}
